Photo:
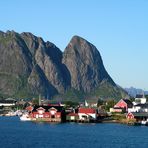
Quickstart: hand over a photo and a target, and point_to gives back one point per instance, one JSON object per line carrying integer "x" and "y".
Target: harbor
{"x": 46, "y": 134}
{"x": 124, "y": 111}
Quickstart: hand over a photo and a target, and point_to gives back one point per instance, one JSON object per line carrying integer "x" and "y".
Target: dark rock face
{"x": 85, "y": 64}
{"x": 15, "y": 58}
{"x": 38, "y": 63}
{"x": 38, "y": 83}
{"x": 48, "y": 57}
{"x": 29, "y": 66}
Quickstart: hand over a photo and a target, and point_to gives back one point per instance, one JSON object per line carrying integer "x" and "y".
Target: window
{"x": 52, "y": 116}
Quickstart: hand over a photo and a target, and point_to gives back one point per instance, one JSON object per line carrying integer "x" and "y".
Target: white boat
{"x": 19, "y": 113}
{"x": 25, "y": 117}
{"x": 143, "y": 122}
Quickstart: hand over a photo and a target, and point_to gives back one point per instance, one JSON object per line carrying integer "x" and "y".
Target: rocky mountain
{"x": 29, "y": 67}
{"x": 134, "y": 91}
{"x": 85, "y": 65}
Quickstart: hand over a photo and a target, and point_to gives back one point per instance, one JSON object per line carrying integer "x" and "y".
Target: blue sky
{"x": 118, "y": 28}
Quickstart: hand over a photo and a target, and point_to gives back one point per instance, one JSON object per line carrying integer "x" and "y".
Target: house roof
{"x": 86, "y": 110}
{"x": 58, "y": 108}
{"x": 11, "y": 99}
{"x": 128, "y": 102}
{"x": 29, "y": 108}
{"x": 139, "y": 96}
{"x": 143, "y": 105}
{"x": 138, "y": 114}
{"x": 72, "y": 114}
{"x": 7, "y": 101}
{"x": 54, "y": 104}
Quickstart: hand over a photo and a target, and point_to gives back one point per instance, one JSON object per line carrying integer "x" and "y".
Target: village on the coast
{"x": 127, "y": 111}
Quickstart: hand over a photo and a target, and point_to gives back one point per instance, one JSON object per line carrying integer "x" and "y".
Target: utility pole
{"x": 39, "y": 99}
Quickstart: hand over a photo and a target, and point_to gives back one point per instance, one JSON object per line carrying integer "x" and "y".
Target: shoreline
{"x": 124, "y": 121}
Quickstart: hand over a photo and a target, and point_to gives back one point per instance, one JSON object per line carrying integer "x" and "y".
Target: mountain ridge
{"x": 38, "y": 67}
{"x": 132, "y": 91}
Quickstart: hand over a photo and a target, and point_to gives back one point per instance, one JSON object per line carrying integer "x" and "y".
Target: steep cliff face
{"x": 48, "y": 57}
{"x": 38, "y": 83}
{"x": 21, "y": 54}
{"x": 15, "y": 57}
{"x": 85, "y": 64}
{"x": 15, "y": 63}
{"x": 29, "y": 67}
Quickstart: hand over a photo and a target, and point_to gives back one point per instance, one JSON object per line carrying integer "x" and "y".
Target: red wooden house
{"x": 130, "y": 116}
{"x": 123, "y": 104}
{"x": 47, "y": 113}
{"x": 139, "y": 116}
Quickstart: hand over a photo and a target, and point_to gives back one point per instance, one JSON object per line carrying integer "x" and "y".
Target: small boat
{"x": 25, "y": 117}
{"x": 19, "y": 113}
{"x": 143, "y": 122}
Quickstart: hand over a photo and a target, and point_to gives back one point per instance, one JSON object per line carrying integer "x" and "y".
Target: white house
{"x": 139, "y": 105}
{"x": 140, "y": 99}
{"x": 7, "y": 102}
{"x": 87, "y": 113}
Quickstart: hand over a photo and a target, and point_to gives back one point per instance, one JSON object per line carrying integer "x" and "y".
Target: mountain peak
{"x": 30, "y": 66}
{"x": 76, "y": 37}
{"x": 85, "y": 64}
{"x": 79, "y": 40}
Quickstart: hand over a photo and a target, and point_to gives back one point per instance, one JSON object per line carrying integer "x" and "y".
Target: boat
{"x": 25, "y": 117}
{"x": 144, "y": 122}
{"x": 19, "y": 113}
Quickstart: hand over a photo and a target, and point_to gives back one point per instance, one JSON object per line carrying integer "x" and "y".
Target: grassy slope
{"x": 104, "y": 91}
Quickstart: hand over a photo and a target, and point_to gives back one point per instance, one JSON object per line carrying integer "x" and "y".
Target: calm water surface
{"x": 17, "y": 134}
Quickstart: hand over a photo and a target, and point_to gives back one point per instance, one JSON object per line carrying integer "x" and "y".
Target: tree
{"x": 110, "y": 104}
{"x": 35, "y": 101}
{"x": 71, "y": 103}
{"x": 146, "y": 96}
{"x": 132, "y": 99}
{"x": 100, "y": 102}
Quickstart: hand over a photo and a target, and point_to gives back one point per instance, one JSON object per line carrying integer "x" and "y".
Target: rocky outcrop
{"x": 38, "y": 83}
{"x": 48, "y": 57}
{"x": 85, "y": 64}
{"x": 29, "y": 67}
{"x": 15, "y": 58}
{"x": 32, "y": 61}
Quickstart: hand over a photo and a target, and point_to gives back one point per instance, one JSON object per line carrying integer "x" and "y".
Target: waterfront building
{"x": 139, "y": 105}
{"x": 72, "y": 117}
{"x": 122, "y": 106}
{"x": 87, "y": 114}
{"x": 7, "y": 102}
{"x": 48, "y": 113}
{"x": 139, "y": 117}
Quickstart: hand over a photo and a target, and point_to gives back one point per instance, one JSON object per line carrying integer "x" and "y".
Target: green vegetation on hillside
{"x": 71, "y": 95}
{"x": 14, "y": 86}
{"x": 6, "y": 39}
{"x": 105, "y": 92}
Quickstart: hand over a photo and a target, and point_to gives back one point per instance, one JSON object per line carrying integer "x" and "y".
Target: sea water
{"x": 17, "y": 134}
